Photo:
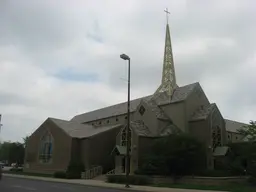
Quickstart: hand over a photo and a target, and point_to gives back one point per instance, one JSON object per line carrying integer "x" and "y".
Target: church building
{"x": 98, "y": 138}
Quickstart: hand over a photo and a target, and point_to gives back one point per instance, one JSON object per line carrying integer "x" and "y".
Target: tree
{"x": 243, "y": 158}
{"x": 25, "y": 140}
{"x": 12, "y": 152}
{"x": 4, "y": 151}
{"x": 174, "y": 155}
{"x": 249, "y": 131}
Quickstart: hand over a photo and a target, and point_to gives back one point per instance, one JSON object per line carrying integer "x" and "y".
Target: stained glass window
{"x": 216, "y": 137}
{"x": 123, "y": 137}
{"x": 46, "y": 148}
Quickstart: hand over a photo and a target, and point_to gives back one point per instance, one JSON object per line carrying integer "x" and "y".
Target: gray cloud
{"x": 213, "y": 43}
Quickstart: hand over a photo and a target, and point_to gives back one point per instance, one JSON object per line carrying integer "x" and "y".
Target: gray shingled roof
{"x": 156, "y": 109}
{"x": 203, "y": 112}
{"x": 140, "y": 128}
{"x": 110, "y": 111}
{"x": 179, "y": 94}
{"x": 174, "y": 129}
{"x": 77, "y": 130}
{"x": 220, "y": 151}
{"x": 233, "y": 126}
{"x": 120, "y": 150}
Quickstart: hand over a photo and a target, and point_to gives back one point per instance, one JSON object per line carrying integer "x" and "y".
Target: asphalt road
{"x": 11, "y": 184}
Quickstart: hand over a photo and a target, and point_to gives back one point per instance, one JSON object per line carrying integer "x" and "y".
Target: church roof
{"x": 140, "y": 128}
{"x": 220, "y": 151}
{"x": 180, "y": 94}
{"x": 203, "y": 112}
{"x": 77, "y": 130}
{"x": 233, "y": 126}
{"x": 156, "y": 109}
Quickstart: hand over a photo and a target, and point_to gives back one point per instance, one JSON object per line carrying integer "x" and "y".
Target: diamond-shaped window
{"x": 142, "y": 110}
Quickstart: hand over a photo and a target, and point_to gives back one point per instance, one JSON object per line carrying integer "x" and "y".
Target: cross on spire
{"x": 167, "y": 16}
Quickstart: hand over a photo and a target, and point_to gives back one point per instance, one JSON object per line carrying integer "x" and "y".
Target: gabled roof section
{"x": 233, "y": 126}
{"x": 77, "y": 130}
{"x": 119, "y": 150}
{"x": 156, "y": 109}
{"x": 180, "y": 94}
{"x": 170, "y": 129}
{"x": 220, "y": 151}
{"x": 203, "y": 112}
{"x": 140, "y": 128}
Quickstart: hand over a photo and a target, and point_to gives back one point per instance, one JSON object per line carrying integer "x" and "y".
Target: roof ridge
{"x": 53, "y": 118}
{"x": 235, "y": 121}
{"x": 111, "y": 106}
{"x": 180, "y": 94}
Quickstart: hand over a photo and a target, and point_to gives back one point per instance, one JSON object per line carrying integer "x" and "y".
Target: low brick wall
{"x": 213, "y": 181}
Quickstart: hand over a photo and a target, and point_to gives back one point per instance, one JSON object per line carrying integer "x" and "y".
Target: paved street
{"x": 19, "y": 183}
{"x": 10, "y": 184}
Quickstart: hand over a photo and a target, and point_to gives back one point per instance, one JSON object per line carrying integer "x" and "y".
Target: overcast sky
{"x": 61, "y": 58}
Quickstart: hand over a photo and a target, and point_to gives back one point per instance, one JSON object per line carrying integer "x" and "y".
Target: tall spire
{"x": 168, "y": 83}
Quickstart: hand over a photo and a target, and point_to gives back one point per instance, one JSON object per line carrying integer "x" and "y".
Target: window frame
{"x": 46, "y": 148}
{"x": 123, "y": 140}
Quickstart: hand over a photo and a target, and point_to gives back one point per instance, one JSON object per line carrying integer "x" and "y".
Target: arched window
{"x": 46, "y": 148}
{"x": 216, "y": 136}
{"x": 123, "y": 137}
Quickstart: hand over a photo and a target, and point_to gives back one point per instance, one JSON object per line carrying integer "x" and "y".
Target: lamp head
{"x": 124, "y": 57}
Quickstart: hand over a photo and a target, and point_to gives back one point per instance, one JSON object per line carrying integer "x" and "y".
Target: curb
{"x": 107, "y": 185}
{"x": 121, "y": 187}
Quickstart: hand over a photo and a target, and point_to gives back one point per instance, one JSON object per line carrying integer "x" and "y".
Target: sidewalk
{"x": 96, "y": 183}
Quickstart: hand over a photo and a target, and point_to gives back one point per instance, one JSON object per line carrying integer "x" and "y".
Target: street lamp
{"x": 126, "y": 57}
{"x": 0, "y": 126}
{"x": 0, "y": 122}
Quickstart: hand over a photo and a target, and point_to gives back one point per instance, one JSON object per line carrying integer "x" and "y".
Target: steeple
{"x": 168, "y": 83}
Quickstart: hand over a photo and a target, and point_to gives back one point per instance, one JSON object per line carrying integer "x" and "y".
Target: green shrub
{"x": 133, "y": 179}
{"x": 60, "y": 174}
{"x": 73, "y": 175}
{"x": 16, "y": 169}
{"x": 75, "y": 168}
{"x": 174, "y": 155}
{"x": 148, "y": 169}
{"x": 252, "y": 181}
